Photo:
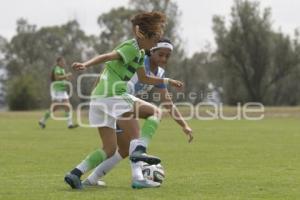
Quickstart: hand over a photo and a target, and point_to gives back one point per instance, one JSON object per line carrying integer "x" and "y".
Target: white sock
{"x": 136, "y": 168}
{"x": 136, "y": 171}
{"x": 43, "y": 120}
{"x": 104, "y": 168}
{"x": 136, "y": 142}
{"x": 69, "y": 121}
{"x": 83, "y": 166}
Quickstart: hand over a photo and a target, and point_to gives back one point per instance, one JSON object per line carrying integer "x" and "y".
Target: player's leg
{"x": 106, "y": 127}
{"x": 152, "y": 116}
{"x": 47, "y": 114}
{"x": 66, "y": 105}
{"x": 133, "y": 130}
{"x": 124, "y": 136}
{"x": 55, "y": 98}
{"x": 109, "y": 147}
{"x": 130, "y": 129}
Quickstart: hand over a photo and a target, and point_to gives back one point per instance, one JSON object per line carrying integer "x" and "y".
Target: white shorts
{"x": 104, "y": 112}
{"x": 59, "y": 95}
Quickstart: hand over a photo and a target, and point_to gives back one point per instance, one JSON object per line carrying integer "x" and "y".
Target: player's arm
{"x": 174, "y": 112}
{"x": 151, "y": 80}
{"x": 97, "y": 60}
{"x": 62, "y": 77}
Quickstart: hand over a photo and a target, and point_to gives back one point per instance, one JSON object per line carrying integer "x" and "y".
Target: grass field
{"x": 227, "y": 160}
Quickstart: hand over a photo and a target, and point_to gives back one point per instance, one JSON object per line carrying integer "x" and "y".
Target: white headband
{"x": 162, "y": 45}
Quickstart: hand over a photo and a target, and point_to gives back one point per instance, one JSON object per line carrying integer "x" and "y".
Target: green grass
{"x": 227, "y": 160}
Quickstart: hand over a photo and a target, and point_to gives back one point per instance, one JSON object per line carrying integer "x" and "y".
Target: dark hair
{"x": 147, "y": 52}
{"x": 165, "y": 40}
{"x": 58, "y": 59}
{"x": 149, "y": 22}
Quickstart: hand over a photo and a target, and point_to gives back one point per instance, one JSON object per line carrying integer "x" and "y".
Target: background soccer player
{"x": 59, "y": 95}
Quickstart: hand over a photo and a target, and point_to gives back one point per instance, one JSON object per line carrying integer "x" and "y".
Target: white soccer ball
{"x": 153, "y": 172}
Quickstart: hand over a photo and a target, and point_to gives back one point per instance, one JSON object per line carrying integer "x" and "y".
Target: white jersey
{"x": 134, "y": 87}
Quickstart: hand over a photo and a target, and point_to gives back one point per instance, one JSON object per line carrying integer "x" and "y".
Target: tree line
{"x": 252, "y": 62}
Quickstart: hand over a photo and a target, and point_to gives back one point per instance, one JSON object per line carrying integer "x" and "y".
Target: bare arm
{"x": 174, "y": 112}
{"x": 97, "y": 60}
{"x": 62, "y": 77}
{"x": 151, "y": 80}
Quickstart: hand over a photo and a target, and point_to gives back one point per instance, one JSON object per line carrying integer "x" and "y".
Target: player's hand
{"x": 79, "y": 66}
{"x": 69, "y": 75}
{"x": 175, "y": 83}
{"x": 189, "y": 132}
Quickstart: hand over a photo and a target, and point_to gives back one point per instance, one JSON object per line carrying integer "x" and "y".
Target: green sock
{"x": 46, "y": 116}
{"x": 95, "y": 158}
{"x": 67, "y": 114}
{"x": 149, "y": 128}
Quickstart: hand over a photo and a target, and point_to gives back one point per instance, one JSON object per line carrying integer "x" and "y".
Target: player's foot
{"x": 87, "y": 183}
{"x": 73, "y": 181}
{"x": 138, "y": 156}
{"x": 73, "y": 126}
{"x": 139, "y": 184}
{"x": 42, "y": 125}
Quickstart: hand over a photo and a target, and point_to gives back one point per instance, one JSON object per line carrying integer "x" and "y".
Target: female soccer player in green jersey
{"x": 154, "y": 64}
{"x": 59, "y": 95}
{"x": 109, "y": 100}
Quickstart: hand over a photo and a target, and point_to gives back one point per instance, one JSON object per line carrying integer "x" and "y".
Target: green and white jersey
{"x": 114, "y": 78}
{"x": 59, "y": 85}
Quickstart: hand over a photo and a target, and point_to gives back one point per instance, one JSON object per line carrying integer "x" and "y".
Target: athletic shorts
{"x": 104, "y": 112}
{"x": 59, "y": 95}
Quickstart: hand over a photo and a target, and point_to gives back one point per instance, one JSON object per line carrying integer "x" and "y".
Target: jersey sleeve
{"x": 56, "y": 71}
{"x": 127, "y": 52}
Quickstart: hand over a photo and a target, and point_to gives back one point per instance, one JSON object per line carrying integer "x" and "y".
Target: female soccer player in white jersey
{"x": 109, "y": 100}
{"x": 159, "y": 56}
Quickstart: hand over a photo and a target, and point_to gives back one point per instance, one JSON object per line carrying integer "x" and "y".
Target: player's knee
{"x": 158, "y": 113}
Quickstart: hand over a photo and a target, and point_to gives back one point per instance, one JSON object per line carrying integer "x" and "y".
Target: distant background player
{"x": 59, "y": 95}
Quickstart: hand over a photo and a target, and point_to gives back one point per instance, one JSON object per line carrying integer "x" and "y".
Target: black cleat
{"x": 73, "y": 181}
{"x": 73, "y": 126}
{"x": 151, "y": 160}
{"x": 42, "y": 125}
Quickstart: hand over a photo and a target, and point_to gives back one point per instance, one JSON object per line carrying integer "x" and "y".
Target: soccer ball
{"x": 153, "y": 172}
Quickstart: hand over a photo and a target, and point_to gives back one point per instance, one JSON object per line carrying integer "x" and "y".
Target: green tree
{"x": 32, "y": 52}
{"x": 23, "y": 93}
{"x": 254, "y": 56}
{"x": 115, "y": 28}
{"x": 3, "y": 45}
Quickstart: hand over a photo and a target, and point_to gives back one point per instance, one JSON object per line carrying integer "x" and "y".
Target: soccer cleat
{"x": 145, "y": 183}
{"x": 73, "y": 180}
{"x": 87, "y": 183}
{"x": 138, "y": 156}
{"x": 73, "y": 126}
{"x": 42, "y": 125}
